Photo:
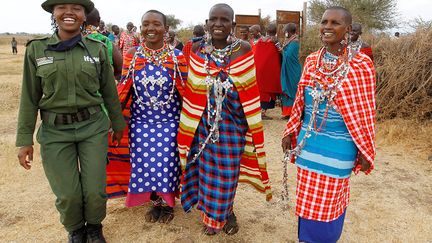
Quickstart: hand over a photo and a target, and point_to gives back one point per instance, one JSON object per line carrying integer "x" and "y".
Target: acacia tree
{"x": 172, "y": 22}
{"x": 372, "y": 14}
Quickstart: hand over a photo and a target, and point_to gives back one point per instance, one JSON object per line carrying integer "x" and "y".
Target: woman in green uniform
{"x": 67, "y": 77}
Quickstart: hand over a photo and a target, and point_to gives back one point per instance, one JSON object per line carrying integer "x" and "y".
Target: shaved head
{"x": 346, "y": 12}
{"x": 226, "y": 6}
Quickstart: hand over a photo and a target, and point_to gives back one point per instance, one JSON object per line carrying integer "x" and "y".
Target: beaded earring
{"x": 54, "y": 25}
{"x": 346, "y": 39}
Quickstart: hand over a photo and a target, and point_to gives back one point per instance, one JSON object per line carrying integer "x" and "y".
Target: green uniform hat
{"x": 48, "y": 5}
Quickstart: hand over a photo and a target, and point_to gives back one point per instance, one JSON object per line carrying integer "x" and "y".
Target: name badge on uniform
{"x": 91, "y": 59}
{"x": 44, "y": 60}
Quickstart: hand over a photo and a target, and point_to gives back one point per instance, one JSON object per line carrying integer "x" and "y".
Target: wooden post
{"x": 304, "y": 14}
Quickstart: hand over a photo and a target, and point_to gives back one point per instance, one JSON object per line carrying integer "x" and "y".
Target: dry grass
{"x": 404, "y": 69}
{"x": 393, "y": 204}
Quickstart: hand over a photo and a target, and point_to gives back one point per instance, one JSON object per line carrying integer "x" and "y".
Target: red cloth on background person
{"x": 367, "y": 51}
{"x": 268, "y": 68}
{"x": 187, "y": 50}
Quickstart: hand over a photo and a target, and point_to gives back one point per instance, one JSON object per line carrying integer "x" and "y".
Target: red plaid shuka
{"x": 321, "y": 197}
{"x": 355, "y": 102}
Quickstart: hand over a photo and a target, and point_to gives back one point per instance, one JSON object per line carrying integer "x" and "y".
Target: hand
{"x": 25, "y": 156}
{"x": 286, "y": 143}
{"x": 364, "y": 164}
{"x": 116, "y": 137}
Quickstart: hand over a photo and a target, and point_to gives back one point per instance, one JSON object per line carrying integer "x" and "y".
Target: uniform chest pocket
{"x": 89, "y": 77}
{"x": 47, "y": 74}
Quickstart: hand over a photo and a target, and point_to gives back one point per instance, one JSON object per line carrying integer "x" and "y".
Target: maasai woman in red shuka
{"x": 331, "y": 129}
{"x": 151, "y": 89}
{"x": 128, "y": 39}
{"x": 358, "y": 43}
{"x": 221, "y": 140}
{"x": 268, "y": 68}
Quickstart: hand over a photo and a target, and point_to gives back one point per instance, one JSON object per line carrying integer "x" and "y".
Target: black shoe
{"x": 78, "y": 236}
{"x": 94, "y": 233}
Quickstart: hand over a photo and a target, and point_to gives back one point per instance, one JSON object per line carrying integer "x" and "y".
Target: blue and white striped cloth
{"x": 331, "y": 151}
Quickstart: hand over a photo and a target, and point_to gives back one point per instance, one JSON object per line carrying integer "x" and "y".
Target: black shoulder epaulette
{"x": 37, "y": 39}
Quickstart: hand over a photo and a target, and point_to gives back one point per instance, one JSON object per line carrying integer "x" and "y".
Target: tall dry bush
{"x": 404, "y": 71}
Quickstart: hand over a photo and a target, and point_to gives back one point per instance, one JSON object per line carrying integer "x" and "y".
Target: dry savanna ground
{"x": 393, "y": 204}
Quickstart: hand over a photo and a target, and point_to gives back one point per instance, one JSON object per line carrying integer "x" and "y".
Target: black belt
{"x": 69, "y": 118}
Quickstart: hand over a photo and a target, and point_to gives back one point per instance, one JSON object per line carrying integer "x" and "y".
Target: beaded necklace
{"x": 156, "y": 57}
{"x": 356, "y": 45}
{"x": 326, "y": 87}
{"x": 216, "y": 88}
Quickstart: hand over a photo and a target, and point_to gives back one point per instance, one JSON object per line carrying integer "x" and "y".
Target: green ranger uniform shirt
{"x": 66, "y": 82}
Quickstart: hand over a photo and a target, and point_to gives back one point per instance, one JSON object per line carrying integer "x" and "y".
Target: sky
{"x": 28, "y": 16}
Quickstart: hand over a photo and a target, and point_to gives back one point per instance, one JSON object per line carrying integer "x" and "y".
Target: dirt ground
{"x": 393, "y": 204}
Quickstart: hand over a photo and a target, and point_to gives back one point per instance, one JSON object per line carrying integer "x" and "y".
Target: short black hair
{"x": 348, "y": 16}
{"x": 164, "y": 19}
{"x": 224, "y": 5}
{"x": 290, "y": 28}
{"x": 358, "y": 25}
{"x": 198, "y": 30}
{"x": 93, "y": 18}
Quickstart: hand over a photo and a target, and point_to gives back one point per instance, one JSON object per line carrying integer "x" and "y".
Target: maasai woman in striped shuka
{"x": 331, "y": 129}
{"x": 221, "y": 140}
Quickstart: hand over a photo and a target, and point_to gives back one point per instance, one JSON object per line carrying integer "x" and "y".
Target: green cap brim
{"x": 48, "y": 5}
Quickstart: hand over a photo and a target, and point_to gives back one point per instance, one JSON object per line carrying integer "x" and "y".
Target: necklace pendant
{"x": 208, "y": 80}
{"x": 208, "y": 49}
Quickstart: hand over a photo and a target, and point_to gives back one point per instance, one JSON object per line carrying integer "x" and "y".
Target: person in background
{"x": 255, "y": 32}
{"x": 91, "y": 30}
{"x": 198, "y": 35}
{"x": 244, "y": 32}
{"x": 128, "y": 38}
{"x": 116, "y": 33}
{"x": 221, "y": 138}
{"x": 14, "y": 45}
{"x": 104, "y": 31}
{"x": 67, "y": 77}
{"x": 290, "y": 70}
{"x": 173, "y": 41}
{"x": 331, "y": 131}
{"x": 358, "y": 44}
{"x": 268, "y": 65}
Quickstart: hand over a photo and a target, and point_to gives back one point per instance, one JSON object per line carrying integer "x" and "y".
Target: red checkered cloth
{"x": 320, "y": 197}
{"x": 355, "y": 101}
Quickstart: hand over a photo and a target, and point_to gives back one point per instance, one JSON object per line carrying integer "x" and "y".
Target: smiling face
{"x": 153, "y": 30}
{"x": 69, "y": 18}
{"x": 333, "y": 27}
{"x": 244, "y": 33}
{"x": 220, "y": 23}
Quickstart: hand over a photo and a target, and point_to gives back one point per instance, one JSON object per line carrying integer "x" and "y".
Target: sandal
{"x": 210, "y": 231}
{"x": 166, "y": 214}
{"x": 231, "y": 227}
{"x": 154, "y": 214}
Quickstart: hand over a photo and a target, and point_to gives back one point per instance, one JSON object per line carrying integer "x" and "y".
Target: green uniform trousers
{"x": 74, "y": 158}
